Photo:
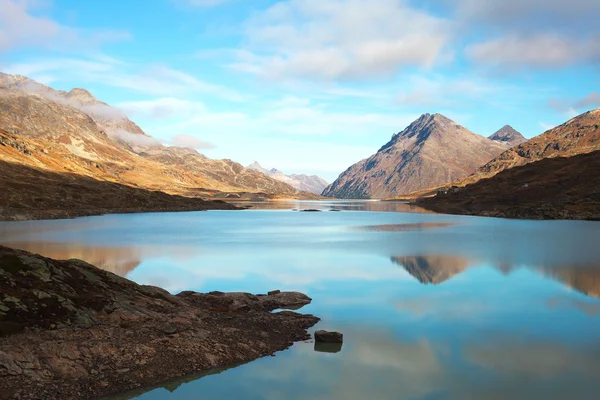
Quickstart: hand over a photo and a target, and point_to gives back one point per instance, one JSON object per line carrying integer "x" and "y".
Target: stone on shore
{"x": 329, "y": 337}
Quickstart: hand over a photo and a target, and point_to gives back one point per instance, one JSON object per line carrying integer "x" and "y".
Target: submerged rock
{"x": 69, "y": 330}
{"x": 328, "y": 337}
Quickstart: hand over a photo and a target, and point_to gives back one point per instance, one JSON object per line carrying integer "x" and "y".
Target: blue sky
{"x": 312, "y": 86}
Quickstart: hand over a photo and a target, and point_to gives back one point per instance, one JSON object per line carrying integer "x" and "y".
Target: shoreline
{"x": 72, "y": 331}
{"x": 11, "y": 214}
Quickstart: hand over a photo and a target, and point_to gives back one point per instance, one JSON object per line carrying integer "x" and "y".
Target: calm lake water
{"x": 431, "y": 306}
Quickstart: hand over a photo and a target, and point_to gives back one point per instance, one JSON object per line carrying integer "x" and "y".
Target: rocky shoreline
{"x": 69, "y": 330}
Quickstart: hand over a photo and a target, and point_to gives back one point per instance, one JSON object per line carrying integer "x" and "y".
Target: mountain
{"x": 551, "y": 188}
{"x": 438, "y": 269}
{"x": 305, "y": 183}
{"x": 431, "y": 151}
{"x": 432, "y": 269}
{"x": 76, "y": 133}
{"x": 507, "y": 135}
{"x": 579, "y": 135}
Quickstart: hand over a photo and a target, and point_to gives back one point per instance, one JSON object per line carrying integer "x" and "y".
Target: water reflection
{"x": 118, "y": 260}
{"x": 437, "y": 269}
{"x": 404, "y": 227}
{"x": 328, "y": 347}
{"x": 459, "y": 308}
{"x": 432, "y": 269}
{"x": 334, "y": 205}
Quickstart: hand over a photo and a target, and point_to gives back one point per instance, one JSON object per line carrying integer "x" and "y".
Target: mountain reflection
{"x": 118, "y": 260}
{"x": 379, "y": 206}
{"x": 433, "y": 269}
{"x": 437, "y": 269}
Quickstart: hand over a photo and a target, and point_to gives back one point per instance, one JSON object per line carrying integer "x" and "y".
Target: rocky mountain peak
{"x": 83, "y": 96}
{"x": 422, "y": 128}
{"x": 507, "y": 134}
{"x": 255, "y": 164}
{"x": 432, "y": 150}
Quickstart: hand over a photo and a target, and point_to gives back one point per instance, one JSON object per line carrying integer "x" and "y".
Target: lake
{"x": 431, "y": 306}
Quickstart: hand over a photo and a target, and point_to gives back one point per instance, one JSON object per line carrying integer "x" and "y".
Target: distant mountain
{"x": 80, "y": 134}
{"x": 509, "y": 136}
{"x": 579, "y": 135}
{"x": 305, "y": 183}
{"x": 431, "y": 151}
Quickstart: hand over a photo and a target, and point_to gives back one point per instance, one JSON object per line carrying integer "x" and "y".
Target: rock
{"x": 86, "y": 326}
{"x": 328, "y": 337}
{"x": 273, "y": 292}
{"x": 311, "y": 210}
{"x": 287, "y": 300}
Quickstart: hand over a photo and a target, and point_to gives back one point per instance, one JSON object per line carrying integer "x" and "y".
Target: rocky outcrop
{"x": 431, "y": 151}
{"x": 552, "y": 188}
{"x": 71, "y": 331}
{"x": 508, "y": 135}
{"x": 306, "y": 183}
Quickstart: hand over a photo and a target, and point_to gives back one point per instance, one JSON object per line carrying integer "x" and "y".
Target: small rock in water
{"x": 273, "y": 292}
{"x": 328, "y": 337}
{"x": 311, "y": 210}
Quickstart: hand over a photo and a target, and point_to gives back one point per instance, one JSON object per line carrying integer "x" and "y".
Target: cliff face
{"x": 431, "y": 151}
{"x": 77, "y": 133}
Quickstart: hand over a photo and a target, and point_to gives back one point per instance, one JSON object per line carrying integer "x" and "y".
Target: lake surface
{"x": 431, "y": 306}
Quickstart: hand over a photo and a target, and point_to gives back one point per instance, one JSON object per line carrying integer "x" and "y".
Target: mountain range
{"x": 78, "y": 133}
{"x": 305, "y": 183}
{"x": 431, "y": 151}
{"x": 555, "y": 175}
{"x": 438, "y": 269}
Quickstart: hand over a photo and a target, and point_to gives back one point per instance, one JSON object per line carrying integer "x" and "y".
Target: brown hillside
{"x": 552, "y": 188}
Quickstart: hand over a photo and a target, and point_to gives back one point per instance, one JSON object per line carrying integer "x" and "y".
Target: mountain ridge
{"x": 432, "y": 150}
{"x": 307, "y": 183}
{"x": 78, "y": 135}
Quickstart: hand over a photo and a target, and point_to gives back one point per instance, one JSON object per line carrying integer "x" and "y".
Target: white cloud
{"x": 538, "y": 51}
{"x": 189, "y": 141}
{"x": 591, "y": 100}
{"x": 546, "y": 126}
{"x": 438, "y": 91}
{"x": 19, "y": 28}
{"x": 156, "y": 80}
{"x": 161, "y": 108}
{"x": 531, "y": 12}
{"x": 341, "y": 39}
{"x": 134, "y": 139}
{"x": 573, "y": 107}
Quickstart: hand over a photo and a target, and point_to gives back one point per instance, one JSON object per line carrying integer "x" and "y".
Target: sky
{"x": 312, "y": 86}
